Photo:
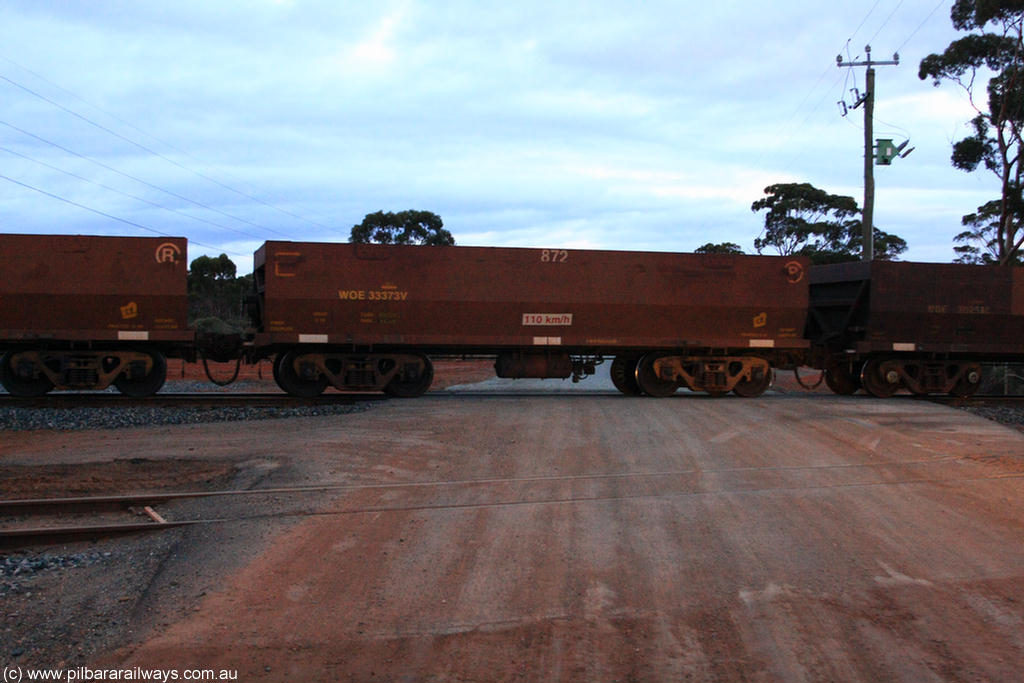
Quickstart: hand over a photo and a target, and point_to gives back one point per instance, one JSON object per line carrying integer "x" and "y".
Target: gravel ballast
{"x": 119, "y": 417}
{"x": 28, "y": 418}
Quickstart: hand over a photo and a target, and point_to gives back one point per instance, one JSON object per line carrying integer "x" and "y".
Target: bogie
{"x": 30, "y": 372}
{"x": 882, "y": 377}
{"x": 308, "y": 374}
{"x": 746, "y": 376}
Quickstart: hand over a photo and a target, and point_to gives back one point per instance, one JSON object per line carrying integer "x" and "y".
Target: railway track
{"x": 268, "y": 399}
{"x": 39, "y": 520}
{"x": 976, "y": 400}
{"x": 189, "y": 400}
{"x": 28, "y": 522}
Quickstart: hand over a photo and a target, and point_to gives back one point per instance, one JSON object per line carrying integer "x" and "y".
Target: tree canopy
{"x": 805, "y": 220}
{"x": 995, "y": 44}
{"x": 214, "y": 291}
{"x": 720, "y": 248}
{"x": 206, "y": 269}
{"x": 979, "y": 243}
{"x": 404, "y": 227}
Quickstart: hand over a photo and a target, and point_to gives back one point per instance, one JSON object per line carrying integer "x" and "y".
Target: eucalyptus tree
{"x": 805, "y": 220}
{"x": 993, "y": 47}
{"x": 404, "y": 227}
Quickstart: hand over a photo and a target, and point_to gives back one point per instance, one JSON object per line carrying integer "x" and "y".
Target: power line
{"x": 105, "y": 214}
{"x": 127, "y": 194}
{"x": 863, "y": 21}
{"x": 884, "y": 23}
{"x": 129, "y": 124}
{"x": 921, "y": 25}
{"x": 157, "y": 154}
{"x": 814, "y": 87}
{"x": 138, "y": 180}
{"x": 817, "y": 83}
{"x": 795, "y": 112}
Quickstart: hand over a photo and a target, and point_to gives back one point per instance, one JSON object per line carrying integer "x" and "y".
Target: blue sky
{"x": 612, "y": 125}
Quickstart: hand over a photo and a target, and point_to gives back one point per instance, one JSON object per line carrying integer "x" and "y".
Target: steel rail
{"x": 33, "y": 535}
{"x": 26, "y": 535}
{"x": 176, "y": 400}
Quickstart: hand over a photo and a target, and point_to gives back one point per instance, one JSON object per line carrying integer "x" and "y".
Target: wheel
{"x": 968, "y": 384}
{"x": 649, "y": 382}
{"x": 874, "y": 382}
{"x": 136, "y": 382}
{"x": 757, "y": 384}
{"x": 23, "y": 378}
{"x": 275, "y": 368}
{"x": 413, "y": 381}
{"x": 304, "y": 381}
{"x": 841, "y": 380}
{"x": 623, "y": 374}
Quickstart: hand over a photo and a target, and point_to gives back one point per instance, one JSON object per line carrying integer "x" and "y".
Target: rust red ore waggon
{"x": 368, "y": 317}
{"x": 85, "y": 312}
{"x": 79, "y": 312}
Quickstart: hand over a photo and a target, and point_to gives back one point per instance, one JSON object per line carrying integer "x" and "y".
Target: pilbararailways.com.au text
{"x": 137, "y": 673}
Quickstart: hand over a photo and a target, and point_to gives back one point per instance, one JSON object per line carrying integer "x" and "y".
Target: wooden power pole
{"x": 868, "y": 100}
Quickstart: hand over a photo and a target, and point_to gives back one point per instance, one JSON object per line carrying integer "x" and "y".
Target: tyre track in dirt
{"x": 596, "y": 538}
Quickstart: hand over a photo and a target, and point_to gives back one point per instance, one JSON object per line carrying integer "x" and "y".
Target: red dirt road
{"x": 601, "y": 538}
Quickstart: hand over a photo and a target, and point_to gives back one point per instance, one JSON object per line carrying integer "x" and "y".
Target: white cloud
{"x": 622, "y": 126}
{"x": 715, "y": 182}
{"x": 376, "y": 50}
{"x": 935, "y": 106}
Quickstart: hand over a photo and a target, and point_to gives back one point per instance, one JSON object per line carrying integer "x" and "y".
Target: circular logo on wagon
{"x": 168, "y": 252}
{"x": 794, "y": 271}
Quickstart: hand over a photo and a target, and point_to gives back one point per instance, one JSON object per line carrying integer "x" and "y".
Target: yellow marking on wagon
{"x": 285, "y": 261}
{"x": 130, "y": 310}
{"x": 372, "y": 295}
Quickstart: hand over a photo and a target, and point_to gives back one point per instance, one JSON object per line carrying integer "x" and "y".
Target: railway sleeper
{"x": 746, "y": 376}
{"x": 36, "y": 372}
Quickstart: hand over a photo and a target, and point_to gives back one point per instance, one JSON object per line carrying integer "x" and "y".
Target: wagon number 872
{"x": 554, "y": 255}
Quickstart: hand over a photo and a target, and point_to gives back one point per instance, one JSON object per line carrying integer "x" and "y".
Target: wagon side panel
{"x": 464, "y": 298}
{"x": 93, "y": 288}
